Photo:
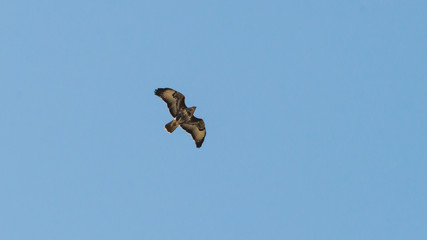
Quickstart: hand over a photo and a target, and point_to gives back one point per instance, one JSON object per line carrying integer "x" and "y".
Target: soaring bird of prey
{"x": 183, "y": 116}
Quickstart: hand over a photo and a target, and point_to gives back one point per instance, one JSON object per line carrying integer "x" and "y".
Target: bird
{"x": 183, "y": 115}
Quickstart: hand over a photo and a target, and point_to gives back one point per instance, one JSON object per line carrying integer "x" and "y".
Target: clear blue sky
{"x": 315, "y": 114}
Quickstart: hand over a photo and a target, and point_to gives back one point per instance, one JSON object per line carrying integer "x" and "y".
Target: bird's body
{"x": 183, "y": 116}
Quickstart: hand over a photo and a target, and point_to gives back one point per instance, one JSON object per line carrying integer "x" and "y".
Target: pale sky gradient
{"x": 315, "y": 114}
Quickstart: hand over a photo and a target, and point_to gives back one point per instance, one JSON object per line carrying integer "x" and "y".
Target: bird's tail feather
{"x": 171, "y": 126}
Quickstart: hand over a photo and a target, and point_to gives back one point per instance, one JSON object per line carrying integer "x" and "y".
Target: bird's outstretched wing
{"x": 175, "y": 100}
{"x": 195, "y": 127}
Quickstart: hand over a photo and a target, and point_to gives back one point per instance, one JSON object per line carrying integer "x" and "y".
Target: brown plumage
{"x": 183, "y": 116}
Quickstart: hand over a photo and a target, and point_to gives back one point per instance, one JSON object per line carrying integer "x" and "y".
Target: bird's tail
{"x": 171, "y": 126}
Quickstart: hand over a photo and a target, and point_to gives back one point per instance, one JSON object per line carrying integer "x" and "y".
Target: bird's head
{"x": 192, "y": 110}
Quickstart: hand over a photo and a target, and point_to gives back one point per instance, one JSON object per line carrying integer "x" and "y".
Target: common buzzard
{"x": 183, "y": 116}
